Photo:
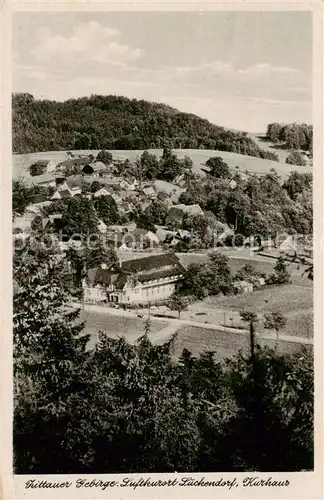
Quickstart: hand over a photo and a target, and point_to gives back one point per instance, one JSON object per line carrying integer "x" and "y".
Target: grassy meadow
{"x": 224, "y": 344}
{"x": 116, "y": 326}
{"x": 258, "y": 166}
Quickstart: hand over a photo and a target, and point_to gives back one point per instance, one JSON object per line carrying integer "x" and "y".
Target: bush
{"x": 296, "y": 158}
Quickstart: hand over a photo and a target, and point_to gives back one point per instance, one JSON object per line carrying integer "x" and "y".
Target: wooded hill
{"x": 113, "y": 122}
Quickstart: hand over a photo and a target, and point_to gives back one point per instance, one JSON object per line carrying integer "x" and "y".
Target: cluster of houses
{"x": 71, "y": 178}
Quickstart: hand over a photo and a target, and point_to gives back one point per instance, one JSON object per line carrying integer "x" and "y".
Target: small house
{"x": 232, "y": 184}
{"x": 177, "y": 212}
{"x": 45, "y": 180}
{"x": 102, "y": 192}
{"x": 74, "y": 165}
{"x": 41, "y": 167}
{"x": 102, "y": 228}
{"x": 35, "y": 208}
{"x": 242, "y": 286}
{"x": 149, "y": 192}
{"x": 61, "y": 194}
{"x": 94, "y": 169}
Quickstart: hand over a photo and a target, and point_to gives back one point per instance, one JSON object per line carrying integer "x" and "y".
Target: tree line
{"x": 293, "y": 135}
{"x": 112, "y": 122}
{"x": 122, "y": 407}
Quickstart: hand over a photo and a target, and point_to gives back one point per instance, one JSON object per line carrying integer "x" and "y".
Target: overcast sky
{"x": 238, "y": 69}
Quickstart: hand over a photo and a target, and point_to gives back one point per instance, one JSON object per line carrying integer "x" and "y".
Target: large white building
{"x": 149, "y": 279}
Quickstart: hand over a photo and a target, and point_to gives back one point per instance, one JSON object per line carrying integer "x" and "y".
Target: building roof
{"x": 39, "y": 179}
{"x": 103, "y": 191}
{"x": 39, "y": 198}
{"x": 76, "y": 162}
{"x": 144, "y": 269}
{"x": 242, "y": 283}
{"x": 181, "y": 209}
{"x": 167, "y": 187}
{"x": 193, "y": 209}
{"x": 65, "y": 193}
{"x": 115, "y": 181}
{"x": 74, "y": 181}
{"x": 98, "y": 165}
{"x": 162, "y": 233}
{"x": 149, "y": 190}
{"x": 209, "y": 214}
{"x": 42, "y": 163}
{"x": 151, "y": 262}
{"x": 130, "y": 179}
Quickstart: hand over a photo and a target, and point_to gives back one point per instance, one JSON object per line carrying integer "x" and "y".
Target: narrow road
{"x": 175, "y": 324}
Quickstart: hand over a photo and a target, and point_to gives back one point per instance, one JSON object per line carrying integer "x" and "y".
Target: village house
{"x": 36, "y": 206}
{"x": 146, "y": 280}
{"x": 172, "y": 190}
{"x": 62, "y": 194}
{"x": 242, "y": 286}
{"x": 45, "y": 180}
{"x": 22, "y": 224}
{"x": 102, "y": 227}
{"x": 232, "y": 184}
{"x": 177, "y": 213}
{"x": 106, "y": 173}
{"x": 71, "y": 186}
{"x": 102, "y": 192}
{"x": 94, "y": 169}
{"x": 41, "y": 167}
{"x": 111, "y": 182}
{"x": 148, "y": 192}
{"x": 164, "y": 235}
{"x": 132, "y": 183}
{"x": 75, "y": 164}
{"x": 122, "y": 228}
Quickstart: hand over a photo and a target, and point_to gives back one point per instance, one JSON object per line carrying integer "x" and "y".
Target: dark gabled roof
{"x": 164, "y": 273}
{"x": 176, "y": 212}
{"x": 39, "y": 198}
{"x": 76, "y": 162}
{"x": 147, "y": 269}
{"x": 41, "y": 163}
{"x": 98, "y": 276}
{"x": 74, "y": 181}
{"x": 97, "y": 166}
{"x": 209, "y": 214}
{"x": 65, "y": 193}
{"x": 150, "y": 263}
{"x": 43, "y": 178}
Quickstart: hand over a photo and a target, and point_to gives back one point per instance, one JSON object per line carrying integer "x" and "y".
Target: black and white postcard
{"x": 161, "y": 286}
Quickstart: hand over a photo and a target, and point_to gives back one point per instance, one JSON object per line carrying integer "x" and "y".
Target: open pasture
{"x": 199, "y": 157}
{"x": 116, "y": 326}
{"x": 224, "y": 344}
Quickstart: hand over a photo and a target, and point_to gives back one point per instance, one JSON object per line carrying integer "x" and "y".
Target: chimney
{"x": 120, "y": 261}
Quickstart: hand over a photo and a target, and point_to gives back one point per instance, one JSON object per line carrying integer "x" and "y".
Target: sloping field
{"x": 224, "y": 344}
{"x": 261, "y": 141}
{"x": 116, "y": 326}
{"x": 294, "y": 302}
{"x": 198, "y": 156}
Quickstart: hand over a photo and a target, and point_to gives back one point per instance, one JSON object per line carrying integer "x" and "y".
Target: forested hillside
{"x": 112, "y": 122}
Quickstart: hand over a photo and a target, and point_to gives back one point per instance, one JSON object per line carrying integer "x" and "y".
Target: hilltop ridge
{"x": 116, "y": 122}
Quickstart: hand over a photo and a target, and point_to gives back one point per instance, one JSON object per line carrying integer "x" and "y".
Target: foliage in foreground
{"x": 132, "y": 408}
